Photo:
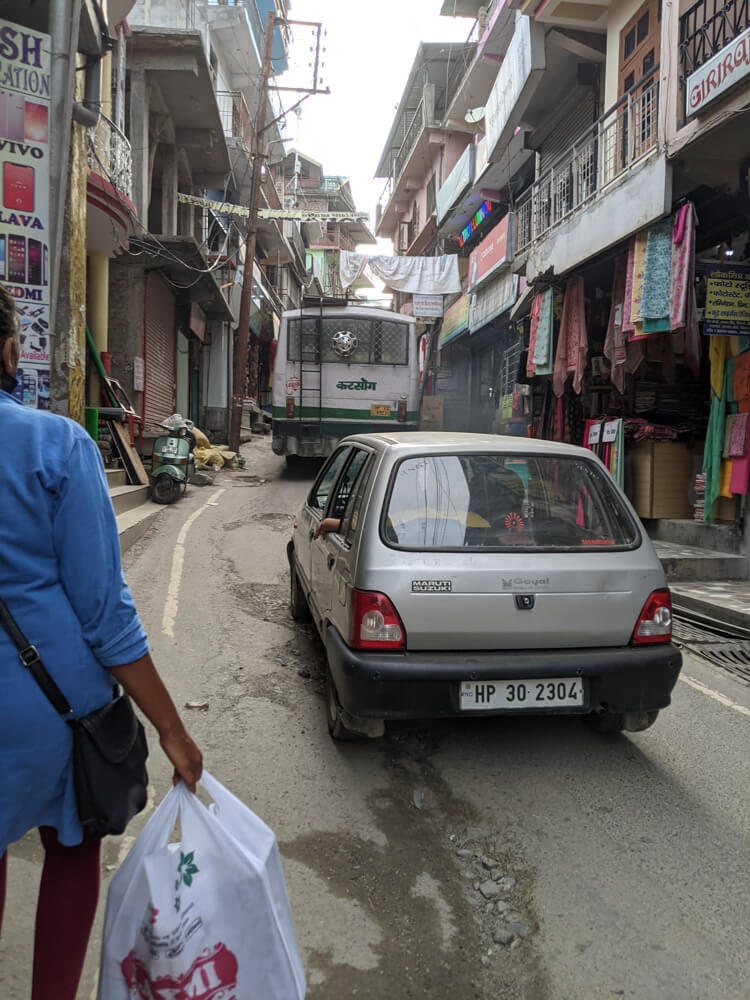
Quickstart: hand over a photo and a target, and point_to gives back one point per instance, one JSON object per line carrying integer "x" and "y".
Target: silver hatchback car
{"x": 460, "y": 574}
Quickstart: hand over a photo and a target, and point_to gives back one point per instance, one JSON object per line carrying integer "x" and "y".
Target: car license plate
{"x": 378, "y": 410}
{"x": 528, "y": 695}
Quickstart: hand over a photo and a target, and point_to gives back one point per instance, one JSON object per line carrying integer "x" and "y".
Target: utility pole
{"x": 243, "y": 330}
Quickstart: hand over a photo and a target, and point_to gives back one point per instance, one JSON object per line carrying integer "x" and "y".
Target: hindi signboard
{"x": 727, "y": 300}
{"x": 455, "y": 321}
{"x": 25, "y": 63}
{"x": 427, "y": 306}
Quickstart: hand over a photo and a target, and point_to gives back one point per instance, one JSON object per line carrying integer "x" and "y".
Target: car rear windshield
{"x": 492, "y": 501}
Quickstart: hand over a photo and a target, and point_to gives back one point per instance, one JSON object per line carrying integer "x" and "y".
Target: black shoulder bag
{"x": 109, "y": 747}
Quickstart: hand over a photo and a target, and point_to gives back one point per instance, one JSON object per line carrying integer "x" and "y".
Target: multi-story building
{"x": 303, "y": 185}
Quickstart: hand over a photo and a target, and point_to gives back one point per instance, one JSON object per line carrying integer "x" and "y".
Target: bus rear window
{"x": 348, "y": 339}
{"x": 481, "y": 501}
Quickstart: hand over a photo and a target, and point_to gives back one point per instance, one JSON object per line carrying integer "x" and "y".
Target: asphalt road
{"x": 624, "y": 862}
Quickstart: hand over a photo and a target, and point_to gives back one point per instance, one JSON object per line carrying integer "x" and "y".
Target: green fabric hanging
{"x": 713, "y": 449}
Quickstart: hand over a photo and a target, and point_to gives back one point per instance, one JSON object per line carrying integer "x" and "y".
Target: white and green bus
{"x": 342, "y": 369}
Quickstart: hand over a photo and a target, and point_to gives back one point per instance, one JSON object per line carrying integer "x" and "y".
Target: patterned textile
{"x": 738, "y": 435}
{"x": 540, "y": 339}
{"x": 741, "y": 381}
{"x": 614, "y": 345}
{"x": 683, "y": 240}
{"x": 728, "y": 430}
{"x": 572, "y": 344}
{"x": 657, "y": 275}
{"x": 714, "y": 443}
{"x": 741, "y": 469}
{"x": 639, "y": 264}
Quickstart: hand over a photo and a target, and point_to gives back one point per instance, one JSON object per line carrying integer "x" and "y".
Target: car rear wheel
{"x": 336, "y": 726}
{"x": 297, "y": 602}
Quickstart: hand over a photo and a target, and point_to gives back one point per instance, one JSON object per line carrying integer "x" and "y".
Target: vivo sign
{"x": 716, "y": 76}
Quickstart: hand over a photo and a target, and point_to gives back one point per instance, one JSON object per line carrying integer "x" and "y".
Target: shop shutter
{"x": 160, "y": 336}
{"x": 580, "y": 113}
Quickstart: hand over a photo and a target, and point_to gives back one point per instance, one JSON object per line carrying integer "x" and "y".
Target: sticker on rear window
{"x": 431, "y": 586}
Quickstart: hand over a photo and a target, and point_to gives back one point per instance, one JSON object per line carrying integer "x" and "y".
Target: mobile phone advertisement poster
{"x": 25, "y": 64}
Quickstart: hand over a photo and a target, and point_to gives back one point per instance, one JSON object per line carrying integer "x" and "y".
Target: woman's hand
{"x": 184, "y": 754}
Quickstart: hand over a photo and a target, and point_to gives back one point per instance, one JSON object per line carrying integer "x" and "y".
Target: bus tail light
{"x": 374, "y": 623}
{"x": 290, "y": 407}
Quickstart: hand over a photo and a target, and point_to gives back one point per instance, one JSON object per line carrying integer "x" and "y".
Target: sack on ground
{"x": 205, "y": 918}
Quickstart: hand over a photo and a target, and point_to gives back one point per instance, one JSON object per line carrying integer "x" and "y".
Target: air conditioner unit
{"x": 403, "y": 235}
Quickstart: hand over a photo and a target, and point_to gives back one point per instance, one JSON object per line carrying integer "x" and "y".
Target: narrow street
{"x": 624, "y": 859}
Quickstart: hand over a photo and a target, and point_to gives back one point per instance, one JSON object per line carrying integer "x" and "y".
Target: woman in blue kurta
{"x": 60, "y": 576}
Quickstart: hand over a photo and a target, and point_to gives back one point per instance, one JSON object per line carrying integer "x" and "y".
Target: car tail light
{"x": 655, "y": 621}
{"x": 374, "y": 622}
{"x": 402, "y": 411}
{"x": 290, "y": 407}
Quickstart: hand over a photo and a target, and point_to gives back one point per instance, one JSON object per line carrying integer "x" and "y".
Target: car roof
{"x": 445, "y": 442}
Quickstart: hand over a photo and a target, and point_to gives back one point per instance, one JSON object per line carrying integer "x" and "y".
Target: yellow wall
{"x": 620, "y": 13}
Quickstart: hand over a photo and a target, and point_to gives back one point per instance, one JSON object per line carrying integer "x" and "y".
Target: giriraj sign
{"x": 715, "y": 77}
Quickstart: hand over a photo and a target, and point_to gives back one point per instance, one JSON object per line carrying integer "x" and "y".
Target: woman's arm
{"x": 144, "y": 685}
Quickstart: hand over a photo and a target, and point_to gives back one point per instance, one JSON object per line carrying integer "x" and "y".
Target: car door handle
{"x": 331, "y": 560}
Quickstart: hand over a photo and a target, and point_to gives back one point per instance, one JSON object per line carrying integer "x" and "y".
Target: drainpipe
{"x": 87, "y": 113}
{"x": 64, "y": 18}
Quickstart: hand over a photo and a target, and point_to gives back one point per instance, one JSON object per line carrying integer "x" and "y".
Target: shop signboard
{"x": 25, "y": 63}
{"x": 514, "y": 85}
{"x": 456, "y": 183}
{"x": 455, "y": 321}
{"x": 427, "y": 306}
{"x": 493, "y": 253}
{"x": 727, "y": 300}
{"x": 492, "y": 299}
{"x": 718, "y": 74}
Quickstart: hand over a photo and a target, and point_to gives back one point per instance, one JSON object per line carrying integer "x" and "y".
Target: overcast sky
{"x": 370, "y": 48}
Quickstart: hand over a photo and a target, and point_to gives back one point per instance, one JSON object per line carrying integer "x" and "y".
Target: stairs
{"x": 134, "y": 512}
{"x": 690, "y": 551}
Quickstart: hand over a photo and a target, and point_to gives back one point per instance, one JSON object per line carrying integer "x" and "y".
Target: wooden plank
{"x": 130, "y": 457}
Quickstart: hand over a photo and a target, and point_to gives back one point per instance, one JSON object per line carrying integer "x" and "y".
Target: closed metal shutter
{"x": 159, "y": 401}
{"x": 579, "y": 115}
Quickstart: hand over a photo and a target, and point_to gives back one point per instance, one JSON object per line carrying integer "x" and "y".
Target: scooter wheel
{"x": 164, "y": 489}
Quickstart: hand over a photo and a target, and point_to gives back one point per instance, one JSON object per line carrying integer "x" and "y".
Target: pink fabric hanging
{"x": 536, "y": 309}
{"x": 682, "y": 309}
{"x": 572, "y": 343}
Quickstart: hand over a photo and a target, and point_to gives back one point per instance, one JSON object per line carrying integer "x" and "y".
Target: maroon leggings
{"x": 65, "y": 911}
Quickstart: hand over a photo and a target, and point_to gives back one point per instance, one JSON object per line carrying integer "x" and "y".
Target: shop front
{"x": 641, "y": 356}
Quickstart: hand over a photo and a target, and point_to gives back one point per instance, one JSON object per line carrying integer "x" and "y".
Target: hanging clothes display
{"x": 713, "y": 447}
{"x": 657, "y": 271}
{"x": 639, "y": 263}
{"x": 539, "y": 360}
{"x": 572, "y": 342}
{"x": 627, "y": 322}
{"x": 614, "y": 345}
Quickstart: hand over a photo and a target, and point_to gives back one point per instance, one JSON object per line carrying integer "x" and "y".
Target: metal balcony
{"x": 235, "y": 117}
{"x": 706, "y": 27}
{"x": 603, "y": 154}
{"x": 109, "y": 155}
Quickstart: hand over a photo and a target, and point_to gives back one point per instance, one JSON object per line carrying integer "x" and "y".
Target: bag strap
{"x": 29, "y": 657}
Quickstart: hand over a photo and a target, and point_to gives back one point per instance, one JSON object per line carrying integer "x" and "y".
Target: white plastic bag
{"x": 205, "y": 919}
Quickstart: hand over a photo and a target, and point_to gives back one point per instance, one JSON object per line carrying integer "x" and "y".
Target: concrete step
{"x": 116, "y": 477}
{"x": 727, "y": 602}
{"x": 134, "y": 523}
{"x": 720, "y": 537}
{"x": 687, "y": 562}
{"x": 125, "y": 498}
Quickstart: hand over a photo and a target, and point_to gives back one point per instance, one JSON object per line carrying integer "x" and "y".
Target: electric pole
{"x": 241, "y": 352}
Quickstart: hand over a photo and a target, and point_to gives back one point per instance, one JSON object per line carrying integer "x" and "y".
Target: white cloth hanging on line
{"x": 424, "y": 275}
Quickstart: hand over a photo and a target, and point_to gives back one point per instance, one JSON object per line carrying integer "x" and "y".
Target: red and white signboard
{"x": 715, "y": 77}
{"x": 491, "y": 254}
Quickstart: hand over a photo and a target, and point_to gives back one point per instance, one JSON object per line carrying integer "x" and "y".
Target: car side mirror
{"x": 328, "y": 525}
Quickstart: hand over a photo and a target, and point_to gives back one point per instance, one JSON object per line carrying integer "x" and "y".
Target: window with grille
{"x": 372, "y": 341}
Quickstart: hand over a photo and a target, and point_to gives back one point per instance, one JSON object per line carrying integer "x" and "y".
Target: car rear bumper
{"x": 425, "y": 684}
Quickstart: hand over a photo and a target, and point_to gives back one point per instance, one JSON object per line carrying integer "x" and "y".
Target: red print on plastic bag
{"x": 211, "y": 977}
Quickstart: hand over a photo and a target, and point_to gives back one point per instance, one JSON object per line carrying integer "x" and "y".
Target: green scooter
{"x": 172, "y": 459}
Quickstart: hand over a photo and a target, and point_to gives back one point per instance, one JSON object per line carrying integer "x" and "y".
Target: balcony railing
{"x": 602, "y": 155}
{"x": 706, "y": 27}
{"x": 235, "y": 116}
{"x": 109, "y": 155}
